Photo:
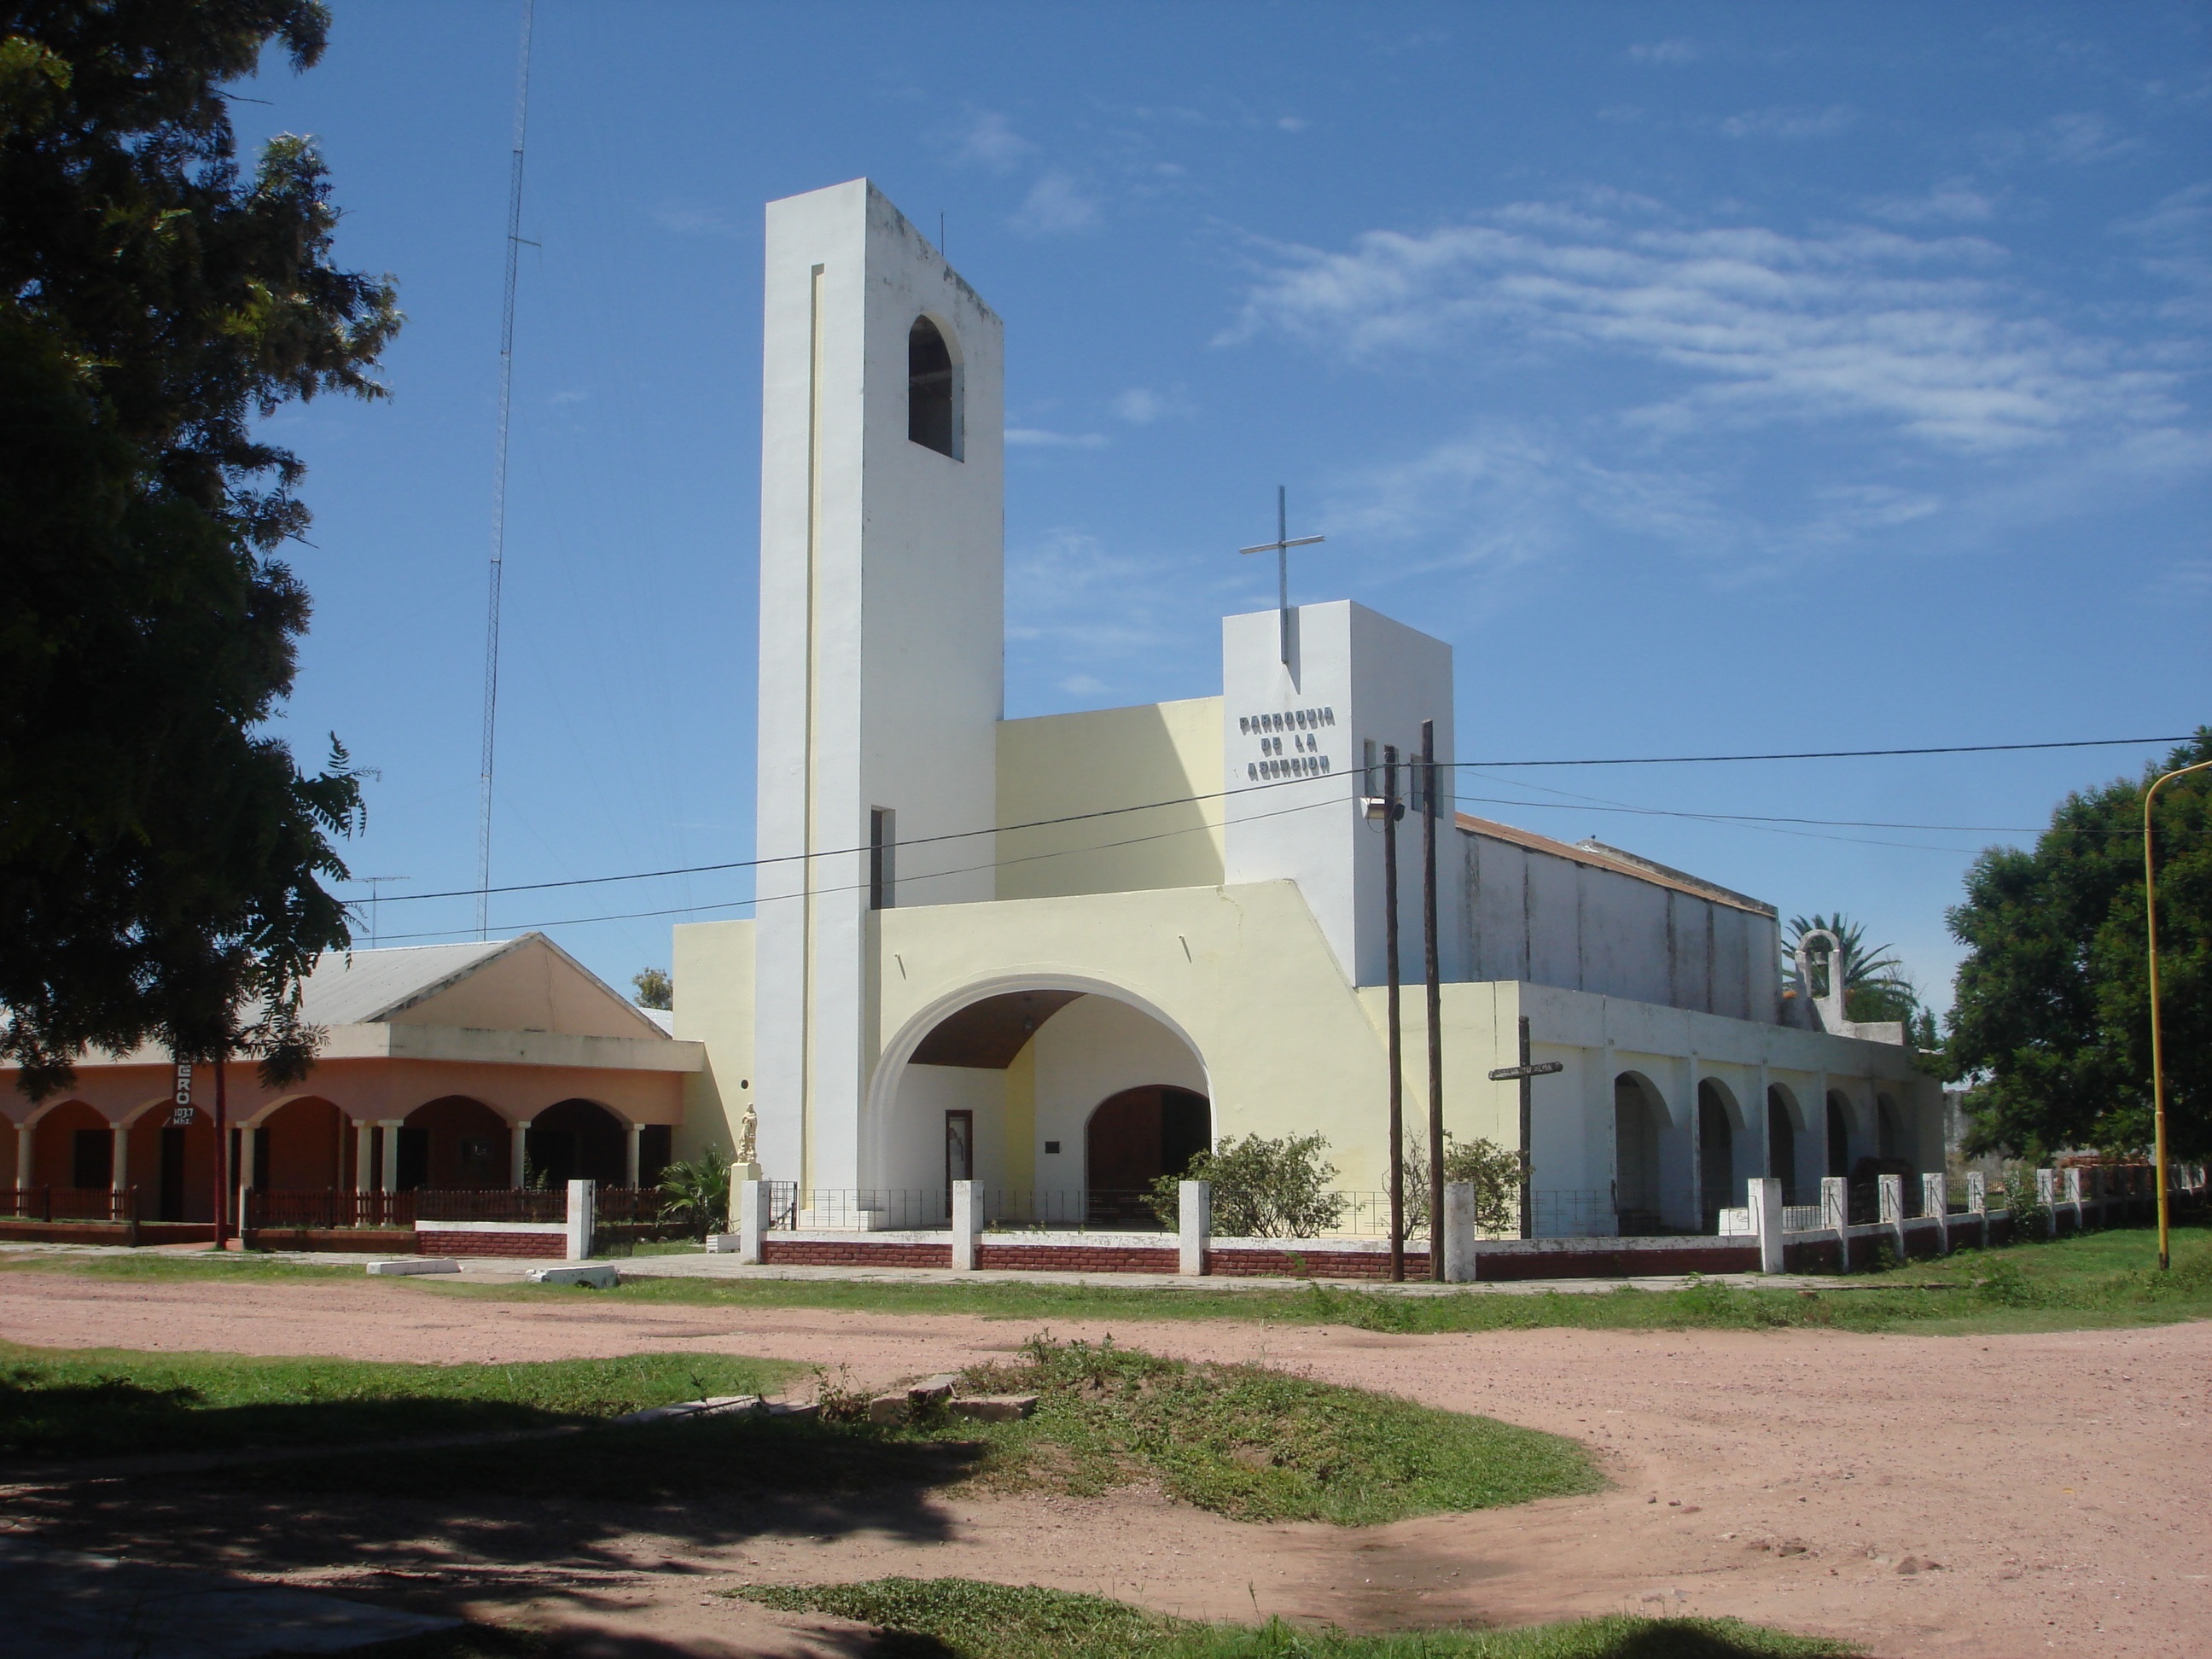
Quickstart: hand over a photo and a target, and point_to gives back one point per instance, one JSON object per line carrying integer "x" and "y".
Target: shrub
{"x": 1261, "y": 1188}
{"x": 695, "y": 1196}
{"x": 1496, "y": 1173}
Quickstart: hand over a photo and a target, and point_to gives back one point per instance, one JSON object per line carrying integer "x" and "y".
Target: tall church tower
{"x": 882, "y": 627}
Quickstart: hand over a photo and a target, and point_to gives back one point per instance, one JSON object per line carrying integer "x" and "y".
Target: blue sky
{"x": 1714, "y": 378}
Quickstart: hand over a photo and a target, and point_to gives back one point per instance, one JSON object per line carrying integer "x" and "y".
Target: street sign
{"x": 1514, "y": 1073}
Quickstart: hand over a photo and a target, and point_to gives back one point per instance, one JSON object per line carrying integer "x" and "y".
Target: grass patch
{"x": 1256, "y": 1444}
{"x": 198, "y": 1267}
{"x": 2099, "y": 1279}
{"x": 104, "y": 1401}
{"x": 963, "y": 1619}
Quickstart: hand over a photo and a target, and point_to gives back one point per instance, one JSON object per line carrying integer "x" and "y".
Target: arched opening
{"x": 1715, "y": 1153}
{"x": 1010, "y": 1091}
{"x": 301, "y": 1147}
{"x": 1888, "y": 1133}
{"x": 1636, "y": 1125}
{"x": 576, "y": 1141}
{"x": 73, "y": 1146}
{"x": 1133, "y": 1138}
{"x": 1782, "y": 1143}
{"x": 172, "y": 1162}
{"x": 456, "y": 1142}
{"x": 933, "y": 390}
{"x": 1840, "y": 1135}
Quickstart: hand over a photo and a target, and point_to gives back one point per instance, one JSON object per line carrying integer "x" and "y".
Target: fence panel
{"x": 328, "y": 1209}
{"x": 490, "y": 1204}
{"x": 68, "y": 1203}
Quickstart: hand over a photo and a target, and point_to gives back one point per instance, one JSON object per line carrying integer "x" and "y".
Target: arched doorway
{"x": 73, "y": 1146}
{"x": 1889, "y": 1133}
{"x": 1840, "y": 1135}
{"x": 455, "y": 1142}
{"x": 301, "y": 1147}
{"x": 1637, "y": 1121}
{"x": 576, "y": 1141}
{"x": 1715, "y": 1153}
{"x": 1135, "y": 1138}
{"x": 1782, "y": 1142}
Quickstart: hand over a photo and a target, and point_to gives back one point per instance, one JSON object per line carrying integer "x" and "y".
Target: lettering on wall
{"x": 1290, "y": 744}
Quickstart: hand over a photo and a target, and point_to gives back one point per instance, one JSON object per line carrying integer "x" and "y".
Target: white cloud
{"x": 693, "y": 218}
{"x": 1293, "y": 123}
{"x": 1922, "y": 336}
{"x": 1790, "y": 121}
{"x": 990, "y": 141}
{"x": 1953, "y": 202}
{"x": 1141, "y": 407}
{"x": 1036, "y": 437}
{"x": 1056, "y": 206}
{"x": 1671, "y": 54}
{"x": 1083, "y": 685}
{"x": 2188, "y": 581}
{"x": 2078, "y": 138}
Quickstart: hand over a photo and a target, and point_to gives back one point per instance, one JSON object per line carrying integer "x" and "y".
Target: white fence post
{"x": 2046, "y": 1195}
{"x": 583, "y": 1201}
{"x": 1978, "y": 1203}
{"x": 1763, "y": 1194}
{"x": 1459, "y": 1232}
{"x": 2073, "y": 1191}
{"x": 1836, "y": 1212}
{"x": 1935, "y": 1200}
{"x": 967, "y": 1222}
{"x": 752, "y": 1222}
{"x": 1892, "y": 1190}
{"x": 1194, "y": 1234}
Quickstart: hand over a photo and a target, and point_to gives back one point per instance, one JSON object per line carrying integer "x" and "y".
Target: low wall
{"x": 1502, "y": 1259}
{"x": 844, "y": 1249}
{"x": 106, "y": 1232}
{"x": 530, "y": 1241}
{"x": 365, "y": 1240}
{"x": 1098, "y": 1253}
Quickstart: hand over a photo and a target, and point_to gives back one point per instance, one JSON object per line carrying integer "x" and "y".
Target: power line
{"x": 499, "y": 477}
{"x": 1285, "y": 783}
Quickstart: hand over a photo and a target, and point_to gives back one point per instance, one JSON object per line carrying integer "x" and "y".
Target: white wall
{"x": 1370, "y": 678}
{"x": 881, "y": 634}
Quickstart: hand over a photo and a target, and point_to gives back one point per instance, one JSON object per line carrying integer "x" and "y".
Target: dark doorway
{"x": 1135, "y": 1138}
{"x": 1839, "y": 1140}
{"x": 656, "y": 1151}
{"x": 1715, "y": 1155}
{"x": 171, "y": 1200}
{"x": 413, "y": 1172}
{"x": 577, "y": 1140}
{"x": 1781, "y": 1145}
{"x": 92, "y": 1153}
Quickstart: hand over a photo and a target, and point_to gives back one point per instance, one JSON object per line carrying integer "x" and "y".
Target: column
{"x": 1836, "y": 1212}
{"x": 1762, "y": 1122}
{"x": 752, "y": 1221}
{"x": 247, "y": 1174}
{"x": 1977, "y": 1206}
{"x": 26, "y": 1140}
{"x": 967, "y": 1223}
{"x": 1890, "y": 1190}
{"x": 1935, "y": 1200}
{"x": 364, "y": 1156}
{"x": 1459, "y": 1232}
{"x": 388, "y": 1176}
{"x": 120, "y": 1167}
{"x": 583, "y": 1218}
{"x": 1194, "y": 1230}
{"x": 631, "y": 1155}
{"x": 514, "y": 1151}
{"x": 1696, "y": 1119}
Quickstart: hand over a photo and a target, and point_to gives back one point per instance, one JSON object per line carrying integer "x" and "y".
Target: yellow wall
{"x": 1020, "y": 1153}
{"x": 713, "y": 974}
{"x": 1055, "y": 766}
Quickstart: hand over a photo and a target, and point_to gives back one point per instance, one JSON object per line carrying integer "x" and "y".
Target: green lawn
{"x": 194, "y": 1266}
{"x": 79, "y": 1402}
{"x": 2104, "y": 1278}
{"x": 962, "y": 1618}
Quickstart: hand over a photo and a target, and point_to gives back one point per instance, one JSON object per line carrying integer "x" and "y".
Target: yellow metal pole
{"x": 2157, "y": 1055}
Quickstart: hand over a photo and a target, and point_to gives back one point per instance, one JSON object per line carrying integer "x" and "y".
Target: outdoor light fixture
{"x": 1379, "y": 807}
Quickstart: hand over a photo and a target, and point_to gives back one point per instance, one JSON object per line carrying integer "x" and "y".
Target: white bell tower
{"x": 882, "y": 628}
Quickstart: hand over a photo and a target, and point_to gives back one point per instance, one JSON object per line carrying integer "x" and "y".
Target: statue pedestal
{"x": 745, "y": 1172}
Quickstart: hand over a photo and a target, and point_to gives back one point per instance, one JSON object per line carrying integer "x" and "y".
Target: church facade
{"x": 1057, "y": 955}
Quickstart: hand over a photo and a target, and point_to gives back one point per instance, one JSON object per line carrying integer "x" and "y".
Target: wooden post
{"x": 1390, "y": 812}
{"x": 1431, "y": 982}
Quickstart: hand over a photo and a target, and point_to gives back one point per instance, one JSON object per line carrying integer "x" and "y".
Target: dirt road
{"x": 1996, "y": 1496}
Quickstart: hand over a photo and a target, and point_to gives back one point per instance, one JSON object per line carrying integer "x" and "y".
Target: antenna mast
{"x": 499, "y": 479}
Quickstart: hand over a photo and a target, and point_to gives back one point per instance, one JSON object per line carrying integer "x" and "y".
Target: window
{"x": 932, "y": 399}
{"x": 883, "y": 853}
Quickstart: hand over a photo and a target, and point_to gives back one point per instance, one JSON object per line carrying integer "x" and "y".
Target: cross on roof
{"x": 1281, "y": 547}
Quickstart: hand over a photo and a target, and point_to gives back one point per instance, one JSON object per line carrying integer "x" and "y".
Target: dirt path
{"x": 2063, "y": 1483}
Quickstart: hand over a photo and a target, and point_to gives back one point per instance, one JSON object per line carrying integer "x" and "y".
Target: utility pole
{"x": 1389, "y": 809}
{"x": 1432, "y": 981}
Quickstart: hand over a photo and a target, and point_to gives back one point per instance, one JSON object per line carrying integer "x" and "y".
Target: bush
{"x": 1261, "y": 1188}
{"x": 695, "y": 1196}
{"x": 1495, "y": 1175}
{"x": 2023, "y": 1201}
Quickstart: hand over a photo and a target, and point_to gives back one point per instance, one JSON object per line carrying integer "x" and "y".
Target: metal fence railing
{"x": 1070, "y": 1209}
{"x": 328, "y": 1209}
{"x": 491, "y": 1204}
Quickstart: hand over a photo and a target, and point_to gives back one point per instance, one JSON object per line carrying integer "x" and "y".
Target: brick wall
{"x": 1075, "y": 1258}
{"x": 853, "y": 1253}
{"x": 1618, "y": 1264}
{"x": 529, "y": 1246}
{"x": 366, "y": 1241}
{"x": 1294, "y": 1263}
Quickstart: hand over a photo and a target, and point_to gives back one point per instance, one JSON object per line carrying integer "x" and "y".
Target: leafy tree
{"x": 655, "y": 989}
{"x": 1495, "y": 1173}
{"x": 1261, "y": 1188}
{"x": 2051, "y": 1023}
{"x": 162, "y": 858}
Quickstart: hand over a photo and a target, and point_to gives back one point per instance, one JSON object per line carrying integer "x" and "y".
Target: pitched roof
{"x": 362, "y": 986}
{"x": 1599, "y": 856}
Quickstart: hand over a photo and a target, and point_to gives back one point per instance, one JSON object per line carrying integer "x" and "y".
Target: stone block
{"x": 598, "y": 1278}
{"x": 994, "y": 1408}
{"x": 414, "y": 1264}
{"x": 889, "y": 1408}
{"x": 931, "y": 1391}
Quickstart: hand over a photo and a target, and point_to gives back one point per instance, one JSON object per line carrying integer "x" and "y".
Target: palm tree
{"x": 1875, "y": 986}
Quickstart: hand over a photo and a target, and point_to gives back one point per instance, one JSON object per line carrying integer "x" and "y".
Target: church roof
{"x": 1598, "y": 856}
{"x": 362, "y": 986}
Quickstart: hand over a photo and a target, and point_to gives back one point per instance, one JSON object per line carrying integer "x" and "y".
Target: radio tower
{"x": 499, "y": 479}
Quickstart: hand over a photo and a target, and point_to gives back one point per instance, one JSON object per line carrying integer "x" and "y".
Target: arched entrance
{"x": 577, "y": 1140}
{"x": 73, "y": 1146}
{"x": 1637, "y": 1121}
{"x": 1715, "y": 1153}
{"x": 1135, "y": 1138}
{"x": 455, "y": 1142}
{"x": 301, "y": 1147}
{"x": 1840, "y": 1135}
{"x": 1782, "y": 1142}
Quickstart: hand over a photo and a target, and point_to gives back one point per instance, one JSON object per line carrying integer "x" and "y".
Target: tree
{"x": 2051, "y": 1023}
{"x": 1262, "y": 1189}
{"x": 1495, "y": 1173}
{"x": 163, "y": 861}
{"x": 655, "y": 989}
{"x": 696, "y": 1196}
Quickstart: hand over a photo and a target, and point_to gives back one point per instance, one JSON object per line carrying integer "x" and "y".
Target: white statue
{"x": 749, "y": 1136}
